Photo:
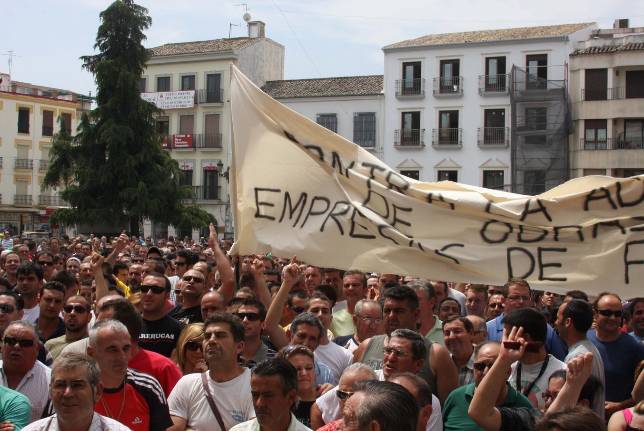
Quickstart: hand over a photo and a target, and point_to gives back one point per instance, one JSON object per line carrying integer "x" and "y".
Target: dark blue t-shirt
{"x": 620, "y": 357}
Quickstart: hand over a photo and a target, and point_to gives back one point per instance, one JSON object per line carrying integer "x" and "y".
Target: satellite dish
{"x": 246, "y": 17}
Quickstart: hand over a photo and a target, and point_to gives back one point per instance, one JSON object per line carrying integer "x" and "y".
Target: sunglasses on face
{"x": 11, "y": 341}
{"x": 7, "y": 308}
{"x": 155, "y": 289}
{"x": 193, "y": 346}
{"x": 252, "y": 317}
{"x": 190, "y": 278}
{"x": 45, "y": 263}
{"x": 78, "y": 309}
{"x": 298, "y": 310}
{"x": 481, "y": 366}
{"x": 609, "y": 313}
{"x": 496, "y": 305}
{"x": 343, "y": 395}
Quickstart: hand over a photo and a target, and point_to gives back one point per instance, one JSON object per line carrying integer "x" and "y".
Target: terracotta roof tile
{"x": 609, "y": 49}
{"x": 325, "y": 87}
{"x": 203, "y": 46}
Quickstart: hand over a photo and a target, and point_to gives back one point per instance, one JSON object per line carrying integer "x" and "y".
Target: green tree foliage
{"x": 114, "y": 170}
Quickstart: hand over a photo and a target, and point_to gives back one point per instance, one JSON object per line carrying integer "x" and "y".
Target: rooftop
{"x": 325, "y": 87}
{"x": 482, "y": 36}
{"x": 205, "y": 46}
{"x": 609, "y": 49}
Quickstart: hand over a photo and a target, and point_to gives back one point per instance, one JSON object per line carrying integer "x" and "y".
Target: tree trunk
{"x": 134, "y": 226}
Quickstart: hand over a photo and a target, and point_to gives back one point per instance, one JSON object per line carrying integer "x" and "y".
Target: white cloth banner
{"x": 300, "y": 189}
{"x": 171, "y": 99}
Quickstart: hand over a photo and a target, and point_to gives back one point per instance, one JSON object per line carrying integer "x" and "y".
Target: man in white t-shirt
{"x": 227, "y": 383}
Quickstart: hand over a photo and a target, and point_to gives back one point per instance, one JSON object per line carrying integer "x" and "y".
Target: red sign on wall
{"x": 182, "y": 141}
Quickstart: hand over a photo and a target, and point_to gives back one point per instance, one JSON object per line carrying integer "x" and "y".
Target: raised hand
{"x": 513, "y": 344}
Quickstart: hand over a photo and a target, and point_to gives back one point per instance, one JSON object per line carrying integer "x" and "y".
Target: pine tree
{"x": 114, "y": 170}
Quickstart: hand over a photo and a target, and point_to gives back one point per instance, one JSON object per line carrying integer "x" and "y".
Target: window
{"x": 495, "y": 78}
{"x": 47, "y": 123}
{"x": 633, "y": 134}
{"x": 534, "y": 182}
{"x": 213, "y": 88}
{"x": 634, "y": 84}
{"x": 596, "y": 84}
{"x": 212, "y": 135}
{"x": 450, "y": 175}
{"x": 163, "y": 125}
{"x": 449, "y": 76}
{"x": 536, "y": 140}
{"x": 142, "y": 82}
{"x": 411, "y": 78}
{"x": 187, "y": 82}
{"x": 448, "y": 132}
{"x": 595, "y": 134}
{"x": 67, "y": 122}
{"x": 364, "y": 129}
{"x": 210, "y": 184}
{"x": 410, "y": 125}
{"x": 186, "y": 124}
{"x": 23, "y": 120}
{"x": 493, "y": 179}
{"x": 537, "y": 71}
{"x": 536, "y": 118}
{"x": 594, "y": 172}
{"x": 163, "y": 83}
{"x": 185, "y": 179}
{"x": 494, "y": 130}
{"x": 411, "y": 173}
{"x": 330, "y": 121}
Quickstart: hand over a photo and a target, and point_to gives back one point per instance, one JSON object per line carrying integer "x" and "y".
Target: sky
{"x": 321, "y": 37}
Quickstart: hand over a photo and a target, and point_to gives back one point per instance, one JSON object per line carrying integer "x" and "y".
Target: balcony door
{"x": 411, "y": 77}
{"x": 596, "y": 84}
{"x": 210, "y": 184}
{"x": 495, "y": 74}
{"x": 595, "y": 134}
{"x": 537, "y": 71}
{"x": 410, "y": 133}
{"x": 634, "y": 133}
{"x": 213, "y": 88}
{"x": 448, "y": 127}
{"x": 449, "y": 76}
{"x": 494, "y": 131}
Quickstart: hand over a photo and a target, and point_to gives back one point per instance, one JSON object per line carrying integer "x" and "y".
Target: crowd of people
{"x": 122, "y": 333}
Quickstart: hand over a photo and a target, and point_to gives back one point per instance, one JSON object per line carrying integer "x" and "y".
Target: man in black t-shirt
{"x": 160, "y": 332}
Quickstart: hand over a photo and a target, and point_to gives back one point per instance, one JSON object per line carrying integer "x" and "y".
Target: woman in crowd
{"x": 301, "y": 358}
{"x": 190, "y": 351}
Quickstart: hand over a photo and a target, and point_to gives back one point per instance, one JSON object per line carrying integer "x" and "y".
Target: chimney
{"x": 620, "y": 23}
{"x": 256, "y": 29}
{"x": 5, "y": 82}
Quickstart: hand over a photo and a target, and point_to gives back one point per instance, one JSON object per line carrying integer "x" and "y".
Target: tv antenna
{"x": 246, "y": 15}
{"x": 11, "y": 55}
{"x": 230, "y": 28}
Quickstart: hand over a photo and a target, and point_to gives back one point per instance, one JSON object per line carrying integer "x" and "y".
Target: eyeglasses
{"x": 7, "y": 308}
{"x": 343, "y": 395}
{"x": 155, "y": 289}
{"x": 370, "y": 320}
{"x": 137, "y": 260}
{"x": 193, "y": 346}
{"x": 481, "y": 366}
{"x": 45, "y": 263}
{"x": 298, "y": 310}
{"x": 78, "y": 309}
{"x": 190, "y": 279}
{"x": 609, "y": 313}
{"x": 518, "y": 298}
{"x": 395, "y": 352}
{"x": 11, "y": 341}
{"x": 252, "y": 317}
{"x": 495, "y": 305}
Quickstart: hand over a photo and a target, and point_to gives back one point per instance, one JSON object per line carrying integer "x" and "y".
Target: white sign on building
{"x": 171, "y": 99}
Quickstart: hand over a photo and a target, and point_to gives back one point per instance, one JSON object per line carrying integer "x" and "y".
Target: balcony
{"x": 211, "y": 96}
{"x": 24, "y": 164}
{"x": 47, "y": 130}
{"x": 494, "y": 85}
{"x": 447, "y": 138}
{"x": 409, "y": 138}
{"x": 51, "y": 201}
{"x": 202, "y": 193}
{"x": 493, "y": 137}
{"x": 208, "y": 141}
{"x": 595, "y": 144}
{"x": 23, "y": 200}
{"x": 410, "y": 88}
{"x": 629, "y": 143}
{"x": 448, "y": 86}
{"x": 614, "y": 93}
{"x": 43, "y": 165}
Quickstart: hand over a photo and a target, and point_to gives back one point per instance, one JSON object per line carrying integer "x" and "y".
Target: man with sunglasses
{"x": 193, "y": 287}
{"x": 495, "y": 306}
{"x": 76, "y": 317}
{"x": 160, "y": 332}
{"x": 20, "y": 369}
{"x": 46, "y": 261}
{"x": 620, "y": 352}
{"x": 252, "y": 314}
{"x": 184, "y": 261}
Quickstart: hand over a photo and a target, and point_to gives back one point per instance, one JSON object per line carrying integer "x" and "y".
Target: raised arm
{"x": 121, "y": 243}
{"x": 261, "y": 290}
{"x": 97, "y": 268}
{"x": 579, "y": 370}
{"x": 290, "y": 276}
{"x": 226, "y": 274}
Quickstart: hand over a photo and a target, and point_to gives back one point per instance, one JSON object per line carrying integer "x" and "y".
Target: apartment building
{"x": 485, "y": 108}
{"x": 351, "y": 106}
{"x": 190, "y": 81}
{"x": 607, "y": 91}
{"x": 28, "y": 119}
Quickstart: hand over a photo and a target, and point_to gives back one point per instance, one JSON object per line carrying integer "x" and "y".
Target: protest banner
{"x": 300, "y": 189}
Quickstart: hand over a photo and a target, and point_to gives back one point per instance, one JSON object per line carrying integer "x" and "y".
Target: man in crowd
{"x": 30, "y": 281}
{"x": 443, "y": 291}
{"x": 193, "y": 287}
{"x": 76, "y": 317}
{"x": 620, "y": 352}
{"x": 135, "y": 276}
{"x": 211, "y": 303}
{"x": 354, "y": 289}
{"x": 426, "y": 401}
{"x": 401, "y": 312}
{"x": 11, "y": 264}
{"x": 430, "y": 324}
{"x": 46, "y": 261}
{"x": 458, "y": 332}
{"x": 312, "y": 278}
{"x": 479, "y": 327}
{"x": 75, "y": 389}
{"x": 21, "y": 370}
{"x": 146, "y": 408}
{"x": 52, "y": 299}
{"x": 11, "y": 305}
{"x": 160, "y": 332}
{"x": 574, "y": 319}
{"x": 274, "y": 391}
{"x": 495, "y": 306}
{"x": 252, "y": 314}
{"x": 475, "y": 299}
{"x": 184, "y": 261}
{"x": 637, "y": 319}
{"x": 226, "y": 382}
{"x": 367, "y": 319}
{"x": 519, "y": 297}
{"x": 15, "y": 409}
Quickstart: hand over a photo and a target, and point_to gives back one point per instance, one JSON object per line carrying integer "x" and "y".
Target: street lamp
{"x": 220, "y": 167}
